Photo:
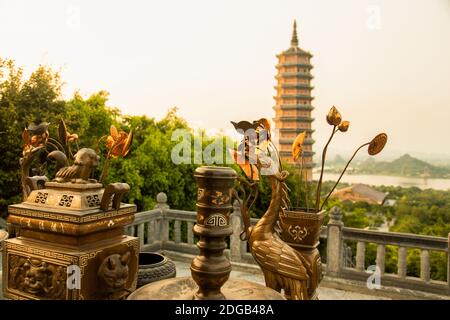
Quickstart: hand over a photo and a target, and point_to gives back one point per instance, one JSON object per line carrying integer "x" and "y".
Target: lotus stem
{"x": 342, "y": 173}
{"x": 105, "y": 170}
{"x": 324, "y": 153}
{"x": 300, "y": 180}
{"x": 307, "y": 191}
{"x": 105, "y": 167}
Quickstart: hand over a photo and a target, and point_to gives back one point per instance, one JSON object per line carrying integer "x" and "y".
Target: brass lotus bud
{"x": 377, "y": 144}
{"x": 343, "y": 126}
{"x": 334, "y": 118}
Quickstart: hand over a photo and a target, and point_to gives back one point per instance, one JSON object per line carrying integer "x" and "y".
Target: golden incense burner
{"x": 63, "y": 229}
{"x": 69, "y": 233}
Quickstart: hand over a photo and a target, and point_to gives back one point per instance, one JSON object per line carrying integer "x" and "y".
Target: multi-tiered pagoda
{"x": 293, "y": 101}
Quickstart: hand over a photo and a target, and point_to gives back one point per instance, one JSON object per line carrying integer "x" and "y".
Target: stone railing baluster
{"x": 161, "y": 203}
{"x": 381, "y": 252}
{"x": 190, "y": 234}
{"x": 334, "y": 242}
{"x": 360, "y": 255}
{"x": 151, "y": 231}
{"x": 140, "y": 234}
{"x": 401, "y": 264}
{"x": 425, "y": 265}
{"x": 235, "y": 241}
{"x": 177, "y": 230}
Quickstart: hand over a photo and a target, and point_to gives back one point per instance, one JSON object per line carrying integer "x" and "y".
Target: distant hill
{"x": 406, "y": 166}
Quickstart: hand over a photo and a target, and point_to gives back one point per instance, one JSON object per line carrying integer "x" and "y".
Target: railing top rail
{"x": 181, "y": 215}
{"x": 145, "y": 216}
{"x": 396, "y": 239}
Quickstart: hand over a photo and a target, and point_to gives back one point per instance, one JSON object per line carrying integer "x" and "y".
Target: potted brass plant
{"x": 300, "y": 227}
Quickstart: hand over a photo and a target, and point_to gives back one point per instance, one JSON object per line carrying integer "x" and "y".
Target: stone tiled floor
{"x": 183, "y": 269}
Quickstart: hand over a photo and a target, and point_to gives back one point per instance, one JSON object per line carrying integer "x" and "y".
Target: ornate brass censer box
{"x": 63, "y": 229}
{"x": 70, "y": 241}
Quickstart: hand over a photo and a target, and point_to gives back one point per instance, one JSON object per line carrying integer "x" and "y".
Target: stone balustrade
{"x": 168, "y": 229}
{"x": 337, "y": 235}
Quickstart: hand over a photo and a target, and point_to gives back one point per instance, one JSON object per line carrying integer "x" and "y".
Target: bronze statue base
{"x": 184, "y": 288}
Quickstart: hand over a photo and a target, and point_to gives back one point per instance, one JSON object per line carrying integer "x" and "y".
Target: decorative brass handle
{"x": 113, "y": 192}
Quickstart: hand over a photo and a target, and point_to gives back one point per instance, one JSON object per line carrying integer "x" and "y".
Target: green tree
{"x": 22, "y": 101}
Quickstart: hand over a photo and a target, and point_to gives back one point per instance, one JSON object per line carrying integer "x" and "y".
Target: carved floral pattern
{"x": 297, "y": 232}
{"x": 219, "y": 198}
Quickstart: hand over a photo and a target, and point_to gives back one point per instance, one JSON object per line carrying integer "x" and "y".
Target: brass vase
{"x": 301, "y": 230}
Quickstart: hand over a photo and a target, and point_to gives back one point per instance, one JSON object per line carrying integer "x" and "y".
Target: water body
{"x": 439, "y": 184}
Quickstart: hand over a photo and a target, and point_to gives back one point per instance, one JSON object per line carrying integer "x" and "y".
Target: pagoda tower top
{"x": 294, "y": 49}
{"x": 294, "y": 40}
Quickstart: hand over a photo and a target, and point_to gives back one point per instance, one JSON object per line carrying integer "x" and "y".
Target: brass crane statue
{"x": 282, "y": 266}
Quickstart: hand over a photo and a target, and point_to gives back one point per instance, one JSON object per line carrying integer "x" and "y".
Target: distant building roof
{"x": 360, "y": 192}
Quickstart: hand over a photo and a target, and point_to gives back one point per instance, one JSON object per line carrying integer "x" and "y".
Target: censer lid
{"x": 215, "y": 172}
{"x": 66, "y": 196}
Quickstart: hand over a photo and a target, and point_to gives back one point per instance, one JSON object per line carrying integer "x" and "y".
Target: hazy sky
{"x": 384, "y": 64}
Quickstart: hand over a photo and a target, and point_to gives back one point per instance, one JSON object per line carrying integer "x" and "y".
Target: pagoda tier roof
{"x": 294, "y": 64}
{"x": 296, "y": 130}
{"x": 295, "y": 51}
{"x": 294, "y": 118}
{"x": 294, "y": 85}
{"x": 302, "y": 75}
{"x": 293, "y": 107}
{"x": 289, "y": 153}
{"x": 289, "y": 141}
{"x": 294, "y": 95}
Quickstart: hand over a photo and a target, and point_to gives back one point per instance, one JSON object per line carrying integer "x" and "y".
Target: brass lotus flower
{"x": 250, "y": 170}
{"x": 297, "y": 145}
{"x": 343, "y": 126}
{"x": 377, "y": 144}
{"x": 334, "y": 118}
{"x": 35, "y": 136}
{"x": 118, "y": 142}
